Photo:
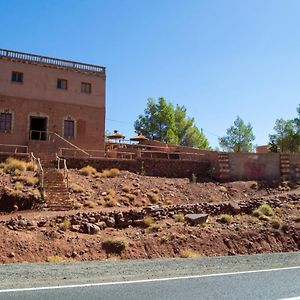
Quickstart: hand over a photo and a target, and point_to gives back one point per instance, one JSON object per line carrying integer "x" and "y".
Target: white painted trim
{"x": 145, "y": 280}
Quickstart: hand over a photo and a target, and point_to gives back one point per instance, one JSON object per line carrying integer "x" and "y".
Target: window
{"x": 86, "y": 88}
{"x": 17, "y": 76}
{"x": 62, "y": 84}
{"x": 5, "y": 121}
{"x": 69, "y": 129}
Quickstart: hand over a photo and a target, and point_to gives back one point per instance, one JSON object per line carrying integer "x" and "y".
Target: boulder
{"x": 90, "y": 228}
{"x": 196, "y": 219}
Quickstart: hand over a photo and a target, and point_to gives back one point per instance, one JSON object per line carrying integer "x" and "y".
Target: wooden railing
{"x": 40, "y": 170}
{"x": 51, "y": 61}
{"x": 65, "y": 169}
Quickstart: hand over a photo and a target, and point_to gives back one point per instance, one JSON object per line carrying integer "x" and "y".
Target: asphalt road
{"x": 271, "y": 276}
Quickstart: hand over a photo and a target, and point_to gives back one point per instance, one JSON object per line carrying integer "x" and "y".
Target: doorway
{"x": 38, "y": 128}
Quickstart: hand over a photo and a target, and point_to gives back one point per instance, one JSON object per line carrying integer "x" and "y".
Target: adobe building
{"x": 40, "y": 96}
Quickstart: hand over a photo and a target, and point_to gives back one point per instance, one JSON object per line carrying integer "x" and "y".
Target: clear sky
{"x": 219, "y": 58}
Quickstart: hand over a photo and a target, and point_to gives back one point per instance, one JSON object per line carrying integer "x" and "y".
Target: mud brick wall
{"x": 295, "y": 166}
{"x": 253, "y": 166}
{"x": 150, "y": 167}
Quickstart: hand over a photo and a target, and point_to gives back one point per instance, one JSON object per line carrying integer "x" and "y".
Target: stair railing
{"x": 40, "y": 170}
{"x": 69, "y": 143}
{"x": 65, "y": 169}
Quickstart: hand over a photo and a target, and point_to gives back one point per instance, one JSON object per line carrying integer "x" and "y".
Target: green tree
{"x": 286, "y": 137}
{"x": 187, "y": 132}
{"x": 239, "y": 137}
{"x": 162, "y": 122}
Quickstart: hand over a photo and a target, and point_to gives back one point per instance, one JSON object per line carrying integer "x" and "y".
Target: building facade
{"x": 40, "y": 96}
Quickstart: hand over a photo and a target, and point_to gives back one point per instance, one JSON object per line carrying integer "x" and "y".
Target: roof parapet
{"x": 59, "y": 63}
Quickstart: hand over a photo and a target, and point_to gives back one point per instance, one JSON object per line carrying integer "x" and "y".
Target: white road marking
{"x": 293, "y": 298}
{"x": 144, "y": 280}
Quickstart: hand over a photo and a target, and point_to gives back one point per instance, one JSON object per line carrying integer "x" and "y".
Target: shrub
{"x": 87, "y": 171}
{"x": 65, "y": 225}
{"x": 12, "y": 164}
{"x": 148, "y": 221}
{"x": 114, "y": 245}
{"x": 19, "y": 185}
{"x": 112, "y": 192}
{"x": 2, "y": 165}
{"x": 76, "y": 188}
{"x": 189, "y": 253}
{"x": 276, "y": 223}
{"x": 77, "y": 205}
{"x": 31, "y": 166}
{"x": 112, "y": 202}
{"x": 179, "y": 217}
{"x": 55, "y": 259}
{"x": 130, "y": 197}
{"x": 114, "y": 172}
{"x": 154, "y": 198}
{"x": 90, "y": 204}
{"x": 29, "y": 180}
{"x": 225, "y": 219}
{"x": 263, "y": 212}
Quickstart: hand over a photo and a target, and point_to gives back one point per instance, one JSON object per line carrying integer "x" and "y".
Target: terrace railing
{"x": 14, "y": 149}
{"x": 51, "y": 61}
{"x": 64, "y": 167}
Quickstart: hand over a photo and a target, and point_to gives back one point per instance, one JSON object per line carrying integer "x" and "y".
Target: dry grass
{"x": 36, "y": 194}
{"x": 225, "y": 219}
{"x": 55, "y": 259}
{"x": 114, "y": 245}
{"x": 12, "y": 164}
{"x": 87, "y": 171}
{"x": 110, "y": 173}
{"x": 65, "y": 225}
{"x": 31, "y": 166}
{"x": 90, "y": 204}
{"x": 111, "y": 202}
{"x": 29, "y": 180}
{"x": 179, "y": 218}
{"x": 263, "y": 212}
{"x": 154, "y": 198}
{"x": 76, "y": 188}
{"x": 19, "y": 185}
{"x": 78, "y": 205}
{"x": 189, "y": 253}
{"x": 130, "y": 197}
{"x": 111, "y": 192}
{"x": 148, "y": 221}
{"x": 276, "y": 223}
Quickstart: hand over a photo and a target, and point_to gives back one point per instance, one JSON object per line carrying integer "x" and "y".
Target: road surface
{"x": 269, "y": 276}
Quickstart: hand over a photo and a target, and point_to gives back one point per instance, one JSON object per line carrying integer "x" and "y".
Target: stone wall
{"x": 150, "y": 167}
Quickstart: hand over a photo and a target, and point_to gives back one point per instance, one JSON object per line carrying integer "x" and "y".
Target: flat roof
{"x": 50, "y": 61}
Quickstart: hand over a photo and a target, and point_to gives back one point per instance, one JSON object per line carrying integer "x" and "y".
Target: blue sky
{"x": 219, "y": 58}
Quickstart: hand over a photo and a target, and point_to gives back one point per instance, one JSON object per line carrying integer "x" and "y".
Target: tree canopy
{"x": 162, "y": 122}
{"x": 239, "y": 137}
{"x": 287, "y": 135}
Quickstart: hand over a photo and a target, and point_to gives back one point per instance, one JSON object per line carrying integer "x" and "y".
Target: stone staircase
{"x": 224, "y": 166}
{"x": 56, "y": 193}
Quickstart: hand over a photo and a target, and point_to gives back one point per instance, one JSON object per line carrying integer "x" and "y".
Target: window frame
{"x": 5, "y": 121}
{"x": 69, "y": 121}
{"x": 17, "y": 77}
{"x": 60, "y": 84}
{"x": 86, "y": 88}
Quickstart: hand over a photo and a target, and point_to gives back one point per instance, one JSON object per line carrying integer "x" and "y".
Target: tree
{"x": 287, "y": 136}
{"x": 162, "y": 122}
{"x": 187, "y": 132}
{"x": 239, "y": 137}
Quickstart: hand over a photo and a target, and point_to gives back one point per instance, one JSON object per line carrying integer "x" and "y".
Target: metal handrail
{"x": 51, "y": 61}
{"x": 16, "y": 147}
{"x": 40, "y": 170}
{"x": 66, "y": 141}
{"x": 66, "y": 171}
